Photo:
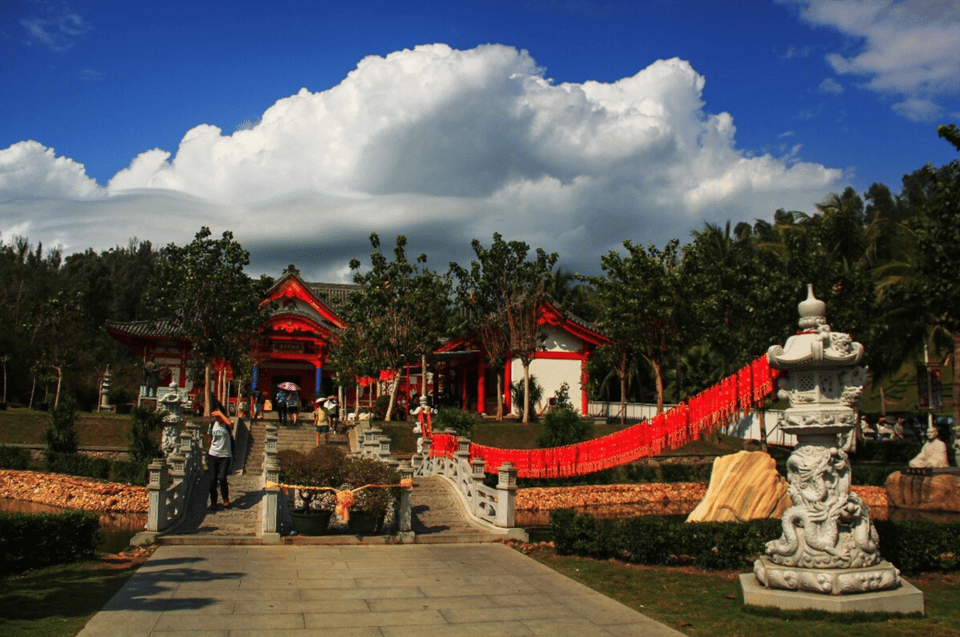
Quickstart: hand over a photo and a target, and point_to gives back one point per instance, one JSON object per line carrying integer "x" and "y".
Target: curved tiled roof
{"x": 158, "y": 328}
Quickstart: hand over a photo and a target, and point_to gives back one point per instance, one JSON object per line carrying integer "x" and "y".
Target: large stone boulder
{"x": 743, "y": 486}
{"x": 937, "y": 492}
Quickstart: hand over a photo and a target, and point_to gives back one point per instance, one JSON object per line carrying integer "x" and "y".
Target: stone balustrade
{"x": 171, "y": 480}
{"x": 496, "y": 506}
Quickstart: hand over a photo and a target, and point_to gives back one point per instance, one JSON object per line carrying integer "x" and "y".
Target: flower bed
{"x": 549, "y": 499}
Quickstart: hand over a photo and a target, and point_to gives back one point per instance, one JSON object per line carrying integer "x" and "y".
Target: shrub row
{"x": 914, "y": 546}
{"x": 14, "y": 458}
{"x": 891, "y": 451}
{"x": 123, "y": 471}
{"x": 35, "y": 540}
{"x": 657, "y": 540}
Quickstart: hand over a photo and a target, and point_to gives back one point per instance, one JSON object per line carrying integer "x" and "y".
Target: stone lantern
{"x": 829, "y": 546}
{"x": 105, "y": 391}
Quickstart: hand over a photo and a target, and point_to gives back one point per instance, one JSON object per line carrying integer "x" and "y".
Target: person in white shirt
{"x": 218, "y": 457}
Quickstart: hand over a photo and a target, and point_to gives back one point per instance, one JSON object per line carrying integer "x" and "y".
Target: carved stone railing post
{"x": 405, "y": 512}
{"x": 476, "y": 469}
{"x": 383, "y": 447}
{"x": 272, "y": 508}
{"x": 159, "y": 481}
{"x": 507, "y": 495}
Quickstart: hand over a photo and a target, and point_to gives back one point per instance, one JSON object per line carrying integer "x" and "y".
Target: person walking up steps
{"x": 280, "y": 404}
{"x": 219, "y": 455}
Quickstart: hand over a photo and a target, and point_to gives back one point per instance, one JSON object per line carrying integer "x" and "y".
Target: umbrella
{"x": 288, "y": 386}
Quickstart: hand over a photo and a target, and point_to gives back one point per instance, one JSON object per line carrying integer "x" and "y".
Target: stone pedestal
{"x": 906, "y": 598}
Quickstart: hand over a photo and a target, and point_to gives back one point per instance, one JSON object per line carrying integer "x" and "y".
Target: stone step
{"x": 456, "y": 538}
{"x": 208, "y": 540}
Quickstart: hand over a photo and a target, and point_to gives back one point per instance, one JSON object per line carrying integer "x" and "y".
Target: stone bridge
{"x": 435, "y": 510}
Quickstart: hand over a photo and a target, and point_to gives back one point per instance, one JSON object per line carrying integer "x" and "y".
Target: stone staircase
{"x": 253, "y": 463}
{"x": 303, "y": 438}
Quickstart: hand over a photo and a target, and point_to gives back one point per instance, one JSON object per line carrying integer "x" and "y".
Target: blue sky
{"x": 569, "y": 124}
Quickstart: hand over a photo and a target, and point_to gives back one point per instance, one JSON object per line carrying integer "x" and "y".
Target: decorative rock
{"x": 743, "y": 486}
{"x": 938, "y": 492}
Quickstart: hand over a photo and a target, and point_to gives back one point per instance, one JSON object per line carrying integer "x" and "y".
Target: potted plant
{"x": 370, "y": 506}
{"x": 321, "y": 467}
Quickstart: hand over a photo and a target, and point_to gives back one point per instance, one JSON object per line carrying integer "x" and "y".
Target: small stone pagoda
{"x": 829, "y": 546}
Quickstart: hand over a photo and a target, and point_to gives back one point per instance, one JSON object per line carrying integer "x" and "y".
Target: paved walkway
{"x": 478, "y": 590}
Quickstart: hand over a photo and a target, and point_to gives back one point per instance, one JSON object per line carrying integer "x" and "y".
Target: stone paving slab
{"x": 398, "y": 591}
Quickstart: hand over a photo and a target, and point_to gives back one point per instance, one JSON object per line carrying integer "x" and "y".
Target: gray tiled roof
{"x": 148, "y": 329}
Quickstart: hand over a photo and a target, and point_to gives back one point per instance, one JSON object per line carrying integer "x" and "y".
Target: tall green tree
{"x": 203, "y": 286}
{"x": 938, "y": 286}
{"x": 503, "y": 293}
{"x": 641, "y": 297}
{"x": 403, "y": 309}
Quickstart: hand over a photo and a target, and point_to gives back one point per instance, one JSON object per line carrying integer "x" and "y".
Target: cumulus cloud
{"x": 446, "y": 146}
{"x": 31, "y": 170}
{"x": 906, "y": 48}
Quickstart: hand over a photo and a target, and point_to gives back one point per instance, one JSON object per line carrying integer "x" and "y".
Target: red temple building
{"x": 297, "y": 342}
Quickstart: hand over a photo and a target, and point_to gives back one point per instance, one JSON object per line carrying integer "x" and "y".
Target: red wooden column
{"x": 482, "y": 387}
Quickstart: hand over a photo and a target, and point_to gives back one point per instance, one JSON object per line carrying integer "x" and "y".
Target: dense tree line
{"x": 682, "y": 316}
{"x": 52, "y": 315}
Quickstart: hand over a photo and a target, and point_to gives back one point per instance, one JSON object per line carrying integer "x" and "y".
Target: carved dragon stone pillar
{"x": 829, "y": 544}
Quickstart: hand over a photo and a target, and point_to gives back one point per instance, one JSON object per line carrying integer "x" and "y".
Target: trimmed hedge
{"x": 74, "y": 464}
{"x": 913, "y": 547}
{"x": 35, "y": 540}
{"x": 122, "y": 471}
{"x": 15, "y": 458}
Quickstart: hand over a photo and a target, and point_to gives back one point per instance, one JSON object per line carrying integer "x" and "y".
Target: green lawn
{"x": 59, "y": 600}
{"x": 710, "y": 603}
{"x": 25, "y": 426}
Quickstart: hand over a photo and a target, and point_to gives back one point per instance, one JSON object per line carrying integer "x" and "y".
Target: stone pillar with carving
{"x": 828, "y": 544}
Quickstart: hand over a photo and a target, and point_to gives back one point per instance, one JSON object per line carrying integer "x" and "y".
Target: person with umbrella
{"x": 288, "y": 401}
{"x": 293, "y": 405}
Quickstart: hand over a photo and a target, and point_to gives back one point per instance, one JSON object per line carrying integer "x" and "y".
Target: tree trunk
{"x": 423, "y": 374}
{"x": 622, "y": 373}
{"x": 659, "y": 380}
{"x": 883, "y": 402}
{"x": 33, "y": 390}
{"x": 206, "y": 390}
{"x": 56, "y": 396}
{"x": 763, "y": 428}
{"x": 393, "y": 398}
{"x": 526, "y": 392}
{"x": 956, "y": 388}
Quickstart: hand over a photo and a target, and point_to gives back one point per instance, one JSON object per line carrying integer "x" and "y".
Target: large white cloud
{"x": 906, "y": 48}
{"x": 30, "y": 169}
{"x": 445, "y": 145}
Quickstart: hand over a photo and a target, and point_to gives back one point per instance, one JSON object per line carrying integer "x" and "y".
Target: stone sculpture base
{"x": 906, "y": 598}
{"x": 827, "y": 581}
